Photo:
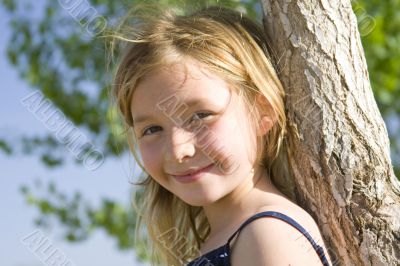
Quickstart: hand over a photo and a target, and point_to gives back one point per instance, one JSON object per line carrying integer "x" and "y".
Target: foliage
{"x": 382, "y": 51}
{"x": 80, "y": 218}
{"x": 55, "y": 51}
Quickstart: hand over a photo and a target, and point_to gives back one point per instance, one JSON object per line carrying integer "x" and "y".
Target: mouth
{"x": 192, "y": 176}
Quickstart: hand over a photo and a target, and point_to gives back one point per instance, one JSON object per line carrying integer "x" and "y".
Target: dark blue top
{"x": 221, "y": 256}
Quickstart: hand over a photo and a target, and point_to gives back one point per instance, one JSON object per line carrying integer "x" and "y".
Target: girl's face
{"x": 185, "y": 113}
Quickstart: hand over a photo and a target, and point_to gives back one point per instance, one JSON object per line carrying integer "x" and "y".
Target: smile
{"x": 193, "y": 176}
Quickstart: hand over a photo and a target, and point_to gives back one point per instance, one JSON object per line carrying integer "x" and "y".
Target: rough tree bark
{"x": 338, "y": 141}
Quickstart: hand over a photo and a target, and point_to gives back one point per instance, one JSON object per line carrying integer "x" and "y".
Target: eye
{"x": 148, "y": 129}
{"x": 200, "y": 115}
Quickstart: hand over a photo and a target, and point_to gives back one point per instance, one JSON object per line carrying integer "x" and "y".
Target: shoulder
{"x": 271, "y": 241}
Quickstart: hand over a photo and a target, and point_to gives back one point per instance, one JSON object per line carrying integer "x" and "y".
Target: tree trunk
{"x": 339, "y": 148}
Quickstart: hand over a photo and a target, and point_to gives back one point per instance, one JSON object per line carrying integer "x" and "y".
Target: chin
{"x": 200, "y": 201}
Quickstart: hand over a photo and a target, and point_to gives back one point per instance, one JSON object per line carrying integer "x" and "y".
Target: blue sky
{"x": 111, "y": 180}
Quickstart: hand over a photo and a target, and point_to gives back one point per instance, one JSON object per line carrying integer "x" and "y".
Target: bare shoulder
{"x": 271, "y": 241}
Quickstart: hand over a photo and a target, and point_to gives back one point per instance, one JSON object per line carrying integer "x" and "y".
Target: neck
{"x": 249, "y": 196}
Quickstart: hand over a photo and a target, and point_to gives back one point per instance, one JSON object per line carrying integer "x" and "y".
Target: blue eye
{"x": 152, "y": 129}
{"x": 197, "y": 118}
{"x": 149, "y": 129}
{"x": 200, "y": 115}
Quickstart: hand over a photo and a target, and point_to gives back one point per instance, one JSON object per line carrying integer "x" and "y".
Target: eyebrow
{"x": 141, "y": 119}
{"x": 192, "y": 102}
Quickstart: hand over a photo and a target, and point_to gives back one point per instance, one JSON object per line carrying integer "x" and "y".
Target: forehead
{"x": 186, "y": 82}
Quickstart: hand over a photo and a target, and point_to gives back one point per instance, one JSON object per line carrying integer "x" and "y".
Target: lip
{"x": 187, "y": 178}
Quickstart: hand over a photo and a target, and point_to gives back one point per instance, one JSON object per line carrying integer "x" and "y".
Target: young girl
{"x": 205, "y": 109}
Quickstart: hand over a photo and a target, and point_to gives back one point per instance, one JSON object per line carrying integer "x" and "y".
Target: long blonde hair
{"x": 228, "y": 43}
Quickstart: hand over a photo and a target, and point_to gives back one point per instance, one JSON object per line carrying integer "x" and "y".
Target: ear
{"x": 266, "y": 120}
{"x": 266, "y": 124}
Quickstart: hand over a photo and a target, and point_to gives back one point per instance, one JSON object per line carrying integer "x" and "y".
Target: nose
{"x": 179, "y": 145}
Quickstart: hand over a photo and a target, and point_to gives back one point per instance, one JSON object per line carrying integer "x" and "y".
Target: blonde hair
{"x": 230, "y": 45}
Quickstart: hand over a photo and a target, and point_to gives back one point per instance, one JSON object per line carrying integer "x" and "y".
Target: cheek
{"x": 150, "y": 157}
{"x": 220, "y": 145}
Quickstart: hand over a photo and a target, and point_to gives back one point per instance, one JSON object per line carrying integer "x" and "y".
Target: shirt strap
{"x": 290, "y": 221}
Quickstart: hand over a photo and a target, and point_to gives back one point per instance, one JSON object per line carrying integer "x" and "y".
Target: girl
{"x": 205, "y": 109}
